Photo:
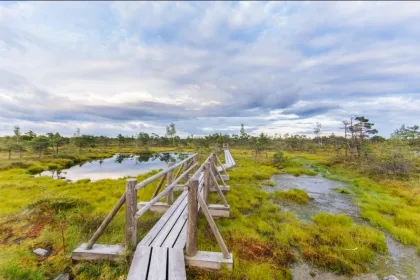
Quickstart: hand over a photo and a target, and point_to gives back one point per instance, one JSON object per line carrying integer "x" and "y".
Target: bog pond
{"x": 118, "y": 166}
{"x": 401, "y": 261}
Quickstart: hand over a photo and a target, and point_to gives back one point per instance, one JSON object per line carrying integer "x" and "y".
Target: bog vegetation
{"x": 383, "y": 175}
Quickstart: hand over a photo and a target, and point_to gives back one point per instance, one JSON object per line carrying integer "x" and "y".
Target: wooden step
{"x": 98, "y": 252}
{"x": 209, "y": 260}
{"x": 219, "y": 210}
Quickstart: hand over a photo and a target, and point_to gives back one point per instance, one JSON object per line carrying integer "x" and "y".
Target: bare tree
{"x": 317, "y": 131}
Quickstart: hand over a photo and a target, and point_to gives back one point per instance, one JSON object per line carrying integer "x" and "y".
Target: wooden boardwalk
{"x": 160, "y": 254}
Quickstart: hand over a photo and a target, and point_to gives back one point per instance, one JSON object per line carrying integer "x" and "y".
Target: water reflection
{"x": 118, "y": 166}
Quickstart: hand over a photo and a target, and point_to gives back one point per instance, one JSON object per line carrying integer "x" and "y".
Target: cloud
{"x": 134, "y": 66}
{"x": 310, "y": 110}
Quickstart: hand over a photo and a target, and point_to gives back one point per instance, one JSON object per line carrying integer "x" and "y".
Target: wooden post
{"x": 170, "y": 179}
{"x": 186, "y": 167}
{"x": 191, "y": 249}
{"x": 130, "y": 219}
{"x": 207, "y": 181}
{"x": 195, "y": 160}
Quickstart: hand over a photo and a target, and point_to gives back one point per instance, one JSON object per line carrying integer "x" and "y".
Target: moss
{"x": 293, "y": 195}
{"x": 297, "y": 171}
{"x": 342, "y": 190}
{"x": 262, "y": 238}
{"x": 36, "y": 169}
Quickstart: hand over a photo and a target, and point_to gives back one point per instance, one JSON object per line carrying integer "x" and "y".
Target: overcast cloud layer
{"x": 277, "y": 67}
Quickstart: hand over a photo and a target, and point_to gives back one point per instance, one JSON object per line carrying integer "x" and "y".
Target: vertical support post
{"x": 186, "y": 167}
{"x": 191, "y": 249}
{"x": 170, "y": 179}
{"x": 130, "y": 219}
{"x": 207, "y": 182}
{"x": 195, "y": 160}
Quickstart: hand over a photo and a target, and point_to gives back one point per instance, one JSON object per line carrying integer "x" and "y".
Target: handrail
{"x": 156, "y": 176}
{"x": 163, "y": 193}
{"x": 200, "y": 169}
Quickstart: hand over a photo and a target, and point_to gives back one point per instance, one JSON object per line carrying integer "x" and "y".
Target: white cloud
{"x": 157, "y": 62}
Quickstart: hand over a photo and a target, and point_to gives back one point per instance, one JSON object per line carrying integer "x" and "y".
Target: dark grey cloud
{"x": 251, "y": 62}
{"x": 311, "y": 110}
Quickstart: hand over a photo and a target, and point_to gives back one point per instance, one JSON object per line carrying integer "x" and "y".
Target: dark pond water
{"x": 401, "y": 261}
{"x": 118, "y": 166}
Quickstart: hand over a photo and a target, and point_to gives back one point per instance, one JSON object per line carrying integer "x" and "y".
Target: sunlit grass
{"x": 264, "y": 240}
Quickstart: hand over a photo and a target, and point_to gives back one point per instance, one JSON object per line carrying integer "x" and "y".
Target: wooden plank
{"x": 210, "y": 260}
{"x": 98, "y": 252}
{"x": 158, "y": 207}
{"x": 162, "y": 221}
{"x": 218, "y": 210}
{"x": 176, "y": 265}
{"x": 158, "y": 264}
{"x": 182, "y": 237}
{"x": 140, "y": 264}
{"x": 223, "y": 188}
{"x": 163, "y": 233}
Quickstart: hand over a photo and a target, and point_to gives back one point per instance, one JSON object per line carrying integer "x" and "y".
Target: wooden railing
{"x": 130, "y": 198}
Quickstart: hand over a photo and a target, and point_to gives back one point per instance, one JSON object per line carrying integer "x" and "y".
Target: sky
{"x": 276, "y": 67}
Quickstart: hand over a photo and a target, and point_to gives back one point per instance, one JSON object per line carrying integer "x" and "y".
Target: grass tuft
{"x": 293, "y": 195}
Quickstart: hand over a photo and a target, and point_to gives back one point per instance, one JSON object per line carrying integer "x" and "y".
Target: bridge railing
{"x": 129, "y": 197}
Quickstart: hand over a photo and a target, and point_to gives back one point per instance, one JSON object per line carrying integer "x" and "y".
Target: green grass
{"x": 264, "y": 240}
{"x": 297, "y": 171}
{"x": 342, "y": 190}
{"x": 293, "y": 195}
{"x": 392, "y": 204}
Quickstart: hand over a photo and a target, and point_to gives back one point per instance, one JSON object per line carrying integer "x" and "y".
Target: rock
{"x": 41, "y": 252}
{"x": 63, "y": 276}
{"x": 391, "y": 277}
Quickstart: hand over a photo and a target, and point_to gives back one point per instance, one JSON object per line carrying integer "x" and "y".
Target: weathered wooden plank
{"x": 218, "y": 210}
{"x": 176, "y": 265}
{"x": 159, "y": 196}
{"x": 223, "y": 188}
{"x": 140, "y": 264}
{"x": 162, "y": 221}
{"x": 210, "y": 260}
{"x": 158, "y": 264}
{"x": 158, "y": 207}
{"x": 163, "y": 233}
{"x": 98, "y": 252}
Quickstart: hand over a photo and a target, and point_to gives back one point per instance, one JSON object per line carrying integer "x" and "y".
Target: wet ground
{"x": 401, "y": 261}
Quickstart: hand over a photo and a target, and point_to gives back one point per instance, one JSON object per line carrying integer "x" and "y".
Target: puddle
{"x": 401, "y": 261}
{"x": 118, "y": 166}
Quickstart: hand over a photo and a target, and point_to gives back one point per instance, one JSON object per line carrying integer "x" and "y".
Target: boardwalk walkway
{"x": 160, "y": 254}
